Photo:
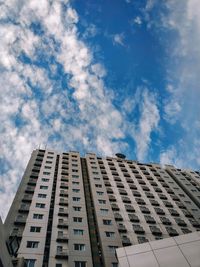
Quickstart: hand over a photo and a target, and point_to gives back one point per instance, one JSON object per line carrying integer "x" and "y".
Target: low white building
{"x": 179, "y": 251}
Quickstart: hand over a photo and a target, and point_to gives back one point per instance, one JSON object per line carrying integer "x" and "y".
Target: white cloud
{"x": 137, "y": 20}
{"x": 148, "y": 121}
{"x": 118, "y": 39}
{"x": 35, "y": 106}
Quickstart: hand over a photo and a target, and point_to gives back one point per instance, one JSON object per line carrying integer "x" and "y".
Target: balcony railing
{"x": 24, "y": 208}
{"x": 62, "y": 238}
{"x": 20, "y": 220}
{"x": 62, "y": 254}
{"x": 63, "y": 224}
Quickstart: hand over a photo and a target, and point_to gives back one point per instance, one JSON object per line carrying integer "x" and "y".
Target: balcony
{"x": 114, "y": 207}
{"x": 122, "y": 228}
{"x": 112, "y": 198}
{"x": 27, "y": 198}
{"x": 171, "y": 231}
{"x": 63, "y": 224}
{"x": 63, "y": 213}
{"x": 63, "y": 203}
{"x": 24, "y": 208}
{"x": 36, "y": 169}
{"x": 32, "y": 181}
{"x": 126, "y": 241}
{"x": 16, "y": 232}
{"x": 129, "y": 208}
{"x": 138, "y": 229}
{"x": 64, "y": 186}
{"x": 133, "y": 218}
{"x": 62, "y": 254}
{"x": 118, "y": 217}
{"x": 29, "y": 189}
{"x": 20, "y": 220}
{"x": 64, "y": 179}
{"x": 155, "y": 231}
{"x": 63, "y": 238}
{"x": 63, "y": 193}
{"x": 64, "y": 172}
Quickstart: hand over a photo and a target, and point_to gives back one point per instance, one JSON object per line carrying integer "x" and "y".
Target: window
{"x": 42, "y": 195}
{"x": 30, "y": 262}
{"x": 100, "y": 193}
{"x": 77, "y": 208}
{"x": 112, "y": 248}
{"x": 110, "y": 234}
{"x": 96, "y": 178}
{"x": 58, "y": 265}
{"x": 102, "y": 201}
{"x": 35, "y": 229}
{"x": 76, "y": 190}
{"x": 80, "y": 247}
{"x": 104, "y": 211}
{"x": 46, "y": 173}
{"x": 80, "y": 264}
{"x": 45, "y": 180}
{"x": 49, "y": 162}
{"x": 32, "y": 244}
{"x": 75, "y": 176}
{"x": 45, "y": 187}
{"x": 114, "y": 264}
{"x": 50, "y": 153}
{"x": 77, "y": 219}
{"x": 38, "y": 216}
{"x": 107, "y": 222}
{"x": 47, "y": 167}
{"x": 40, "y": 205}
{"x": 78, "y": 232}
{"x": 98, "y": 185}
{"x": 73, "y": 170}
{"x": 76, "y": 183}
{"x": 76, "y": 199}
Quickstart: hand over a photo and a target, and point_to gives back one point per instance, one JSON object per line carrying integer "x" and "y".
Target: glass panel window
{"x": 100, "y": 193}
{"x": 38, "y": 216}
{"x": 77, "y": 208}
{"x": 40, "y": 205}
{"x": 75, "y": 190}
{"x": 76, "y": 199}
{"x": 35, "y": 229}
{"x": 112, "y": 248}
{"x": 110, "y": 234}
{"x": 42, "y": 195}
{"x": 79, "y": 264}
{"x": 102, "y": 201}
{"x": 30, "y": 262}
{"x": 104, "y": 211}
{"x": 45, "y": 187}
{"x": 32, "y": 244}
{"x": 45, "y": 180}
{"x": 78, "y": 232}
{"x": 107, "y": 222}
{"x": 80, "y": 247}
{"x": 77, "y": 219}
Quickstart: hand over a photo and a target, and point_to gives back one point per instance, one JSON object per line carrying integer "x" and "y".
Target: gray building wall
{"x": 131, "y": 203}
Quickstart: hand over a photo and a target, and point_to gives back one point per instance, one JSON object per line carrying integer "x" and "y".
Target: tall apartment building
{"x": 75, "y": 211}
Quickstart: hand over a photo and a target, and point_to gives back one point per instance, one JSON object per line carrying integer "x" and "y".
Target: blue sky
{"x": 99, "y": 76}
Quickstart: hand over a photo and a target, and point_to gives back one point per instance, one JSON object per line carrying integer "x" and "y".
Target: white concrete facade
{"x": 179, "y": 251}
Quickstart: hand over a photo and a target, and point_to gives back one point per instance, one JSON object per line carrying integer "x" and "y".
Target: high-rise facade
{"x": 75, "y": 211}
